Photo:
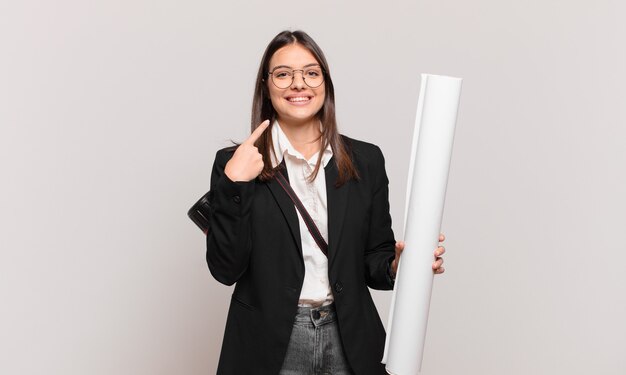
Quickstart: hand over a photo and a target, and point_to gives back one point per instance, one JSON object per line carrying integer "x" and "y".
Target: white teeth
{"x": 299, "y": 99}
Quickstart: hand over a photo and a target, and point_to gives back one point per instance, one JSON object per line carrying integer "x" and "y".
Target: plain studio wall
{"x": 111, "y": 113}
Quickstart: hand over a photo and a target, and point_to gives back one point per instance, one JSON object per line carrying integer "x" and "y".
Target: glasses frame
{"x": 293, "y": 76}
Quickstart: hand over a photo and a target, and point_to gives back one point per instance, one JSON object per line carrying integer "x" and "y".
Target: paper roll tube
{"x": 431, "y": 152}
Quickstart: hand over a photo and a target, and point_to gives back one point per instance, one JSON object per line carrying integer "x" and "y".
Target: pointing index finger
{"x": 257, "y": 132}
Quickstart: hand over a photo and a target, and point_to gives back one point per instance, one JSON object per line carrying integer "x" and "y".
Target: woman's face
{"x": 297, "y": 103}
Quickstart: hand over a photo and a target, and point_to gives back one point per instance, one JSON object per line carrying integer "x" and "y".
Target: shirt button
{"x": 338, "y": 287}
{"x": 237, "y": 199}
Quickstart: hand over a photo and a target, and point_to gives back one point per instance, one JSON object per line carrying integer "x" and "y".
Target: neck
{"x": 305, "y": 137}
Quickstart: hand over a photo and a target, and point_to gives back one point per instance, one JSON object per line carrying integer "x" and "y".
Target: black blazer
{"x": 254, "y": 241}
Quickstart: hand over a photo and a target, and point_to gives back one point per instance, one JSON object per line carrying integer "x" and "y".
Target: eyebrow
{"x": 289, "y": 67}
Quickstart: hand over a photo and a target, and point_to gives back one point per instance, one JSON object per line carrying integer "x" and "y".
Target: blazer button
{"x": 338, "y": 287}
{"x": 237, "y": 199}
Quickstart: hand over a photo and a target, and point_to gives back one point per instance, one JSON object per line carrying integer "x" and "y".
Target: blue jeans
{"x": 315, "y": 345}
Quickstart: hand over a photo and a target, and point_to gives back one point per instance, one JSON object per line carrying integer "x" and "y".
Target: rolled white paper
{"x": 431, "y": 152}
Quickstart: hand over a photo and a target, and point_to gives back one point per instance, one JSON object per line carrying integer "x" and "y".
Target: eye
{"x": 282, "y": 74}
{"x": 313, "y": 73}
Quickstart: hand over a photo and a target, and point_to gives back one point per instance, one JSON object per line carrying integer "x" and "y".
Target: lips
{"x": 299, "y": 99}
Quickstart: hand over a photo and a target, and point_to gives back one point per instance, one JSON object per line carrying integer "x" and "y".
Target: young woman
{"x": 294, "y": 309}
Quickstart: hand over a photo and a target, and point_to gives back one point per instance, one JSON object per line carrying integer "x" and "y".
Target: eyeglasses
{"x": 283, "y": 77}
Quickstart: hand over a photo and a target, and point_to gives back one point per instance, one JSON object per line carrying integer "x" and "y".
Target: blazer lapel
{"x": 337, "y": 199}
{"x": 288, "y": 209}
{"x": 337, "y": 203}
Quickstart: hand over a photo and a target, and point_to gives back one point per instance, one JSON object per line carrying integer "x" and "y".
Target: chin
{"x": 297, "y": 119}
{"x": 297, "y": 116}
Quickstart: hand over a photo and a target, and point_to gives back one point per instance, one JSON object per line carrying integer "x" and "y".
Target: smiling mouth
{"x": 299, "y": 99}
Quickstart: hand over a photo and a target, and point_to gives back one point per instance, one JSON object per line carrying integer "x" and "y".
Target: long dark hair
{"x": 262, "y": 109}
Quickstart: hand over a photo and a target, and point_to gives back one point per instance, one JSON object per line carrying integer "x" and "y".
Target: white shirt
{"x": 316, "y": 287}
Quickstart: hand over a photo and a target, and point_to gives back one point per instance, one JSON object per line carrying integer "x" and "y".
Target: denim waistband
{"x": 316, "y": 315}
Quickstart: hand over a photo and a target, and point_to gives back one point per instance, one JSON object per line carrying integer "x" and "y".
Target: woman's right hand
{"x": 247, "y": 163}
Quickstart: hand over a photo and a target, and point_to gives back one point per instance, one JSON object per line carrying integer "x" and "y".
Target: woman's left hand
{"x": 437, "y": 264}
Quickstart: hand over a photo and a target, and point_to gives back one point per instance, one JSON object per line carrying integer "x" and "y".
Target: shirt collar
{"x": 282, "y": 146}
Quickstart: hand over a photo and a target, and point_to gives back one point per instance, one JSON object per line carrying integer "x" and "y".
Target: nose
{"x": 298, "y": 80}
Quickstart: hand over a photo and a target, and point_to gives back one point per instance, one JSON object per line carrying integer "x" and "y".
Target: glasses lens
{"x": 313, "y": 77}
{"x": 283, "y": 78}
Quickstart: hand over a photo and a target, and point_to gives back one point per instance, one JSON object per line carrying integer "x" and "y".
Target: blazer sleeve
{"x": 229, "y": 237}
{"x": 380, "y": 250}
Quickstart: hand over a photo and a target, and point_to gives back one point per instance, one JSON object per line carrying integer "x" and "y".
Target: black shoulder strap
{"x": 308, "y": 220}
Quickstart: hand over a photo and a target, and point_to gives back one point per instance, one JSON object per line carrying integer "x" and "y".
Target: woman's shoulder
{"x": 362, "y": 150}
{"x": 224, "y": 154}
{"x": 368, "y": 159}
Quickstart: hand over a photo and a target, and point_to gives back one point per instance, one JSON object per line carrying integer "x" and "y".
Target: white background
{"x": 111, "y": 113}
